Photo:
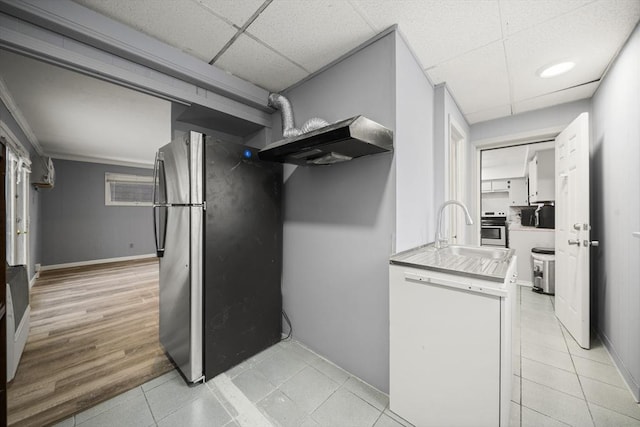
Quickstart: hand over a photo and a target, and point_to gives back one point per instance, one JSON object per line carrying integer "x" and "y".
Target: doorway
{"x": 516, "y": 180}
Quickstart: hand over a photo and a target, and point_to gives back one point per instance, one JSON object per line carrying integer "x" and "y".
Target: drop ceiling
{"x": 487, "y": 52}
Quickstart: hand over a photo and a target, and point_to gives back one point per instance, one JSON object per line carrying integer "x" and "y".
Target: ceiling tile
{"x": 252, "y": 61}
{"x": 478, "y": 80}
{"x": 237, "y": 12}
{"x": 518, "y": 15}
{"x": 561, "y": 97}
{"x": 437, "y": 30}
{"x": 184, "y": 25}
{"x": 313, "y": 32}
{"x": 73, "y": 114}
{"x": 488, "y": 114}
{"x": 590, "y": 37}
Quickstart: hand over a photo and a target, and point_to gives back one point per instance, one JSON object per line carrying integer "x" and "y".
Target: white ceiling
{"x": 487, "y": 51}
{"x": 74, "y": 116}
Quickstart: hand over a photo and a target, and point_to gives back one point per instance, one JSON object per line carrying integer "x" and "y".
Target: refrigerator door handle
{"x": 154, "y": 199}
{"x": 159, "y": 235}
{"x": 159, "y": 185}
{"x": 159, "y": 249}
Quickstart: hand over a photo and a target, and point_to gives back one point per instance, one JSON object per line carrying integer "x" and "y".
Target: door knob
{"x": 574, "y": 242}
{"x": 591, "y": 243}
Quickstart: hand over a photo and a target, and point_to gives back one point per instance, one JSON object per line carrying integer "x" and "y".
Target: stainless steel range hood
{"x": 337, "y": 142}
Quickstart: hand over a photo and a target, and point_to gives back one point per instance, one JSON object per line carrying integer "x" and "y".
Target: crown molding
{"x": 104, "y": 161}
{"x": 10, "y": 103}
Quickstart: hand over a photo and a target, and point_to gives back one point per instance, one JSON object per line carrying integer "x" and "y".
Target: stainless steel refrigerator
{"x": 218, "y": 229}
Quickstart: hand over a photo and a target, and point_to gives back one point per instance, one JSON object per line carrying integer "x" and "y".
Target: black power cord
{"x": 286, "y": 318}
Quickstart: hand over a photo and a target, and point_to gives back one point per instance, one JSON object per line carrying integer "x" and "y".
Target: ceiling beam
{"x": 79, "y": 23}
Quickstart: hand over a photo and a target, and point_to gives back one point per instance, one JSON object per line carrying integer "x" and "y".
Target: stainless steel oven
{"x": 493, "y": 231}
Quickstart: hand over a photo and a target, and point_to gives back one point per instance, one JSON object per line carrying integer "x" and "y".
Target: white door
{"x": 573, "y": 229}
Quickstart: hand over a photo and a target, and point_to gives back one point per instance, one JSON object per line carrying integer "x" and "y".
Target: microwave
{"x": 540, "y": 217}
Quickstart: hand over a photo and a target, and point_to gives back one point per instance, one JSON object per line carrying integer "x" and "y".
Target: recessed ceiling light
{"x": 556, "y": 69}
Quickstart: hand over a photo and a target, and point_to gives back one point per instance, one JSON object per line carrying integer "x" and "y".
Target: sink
{"x": 474, "y": 251}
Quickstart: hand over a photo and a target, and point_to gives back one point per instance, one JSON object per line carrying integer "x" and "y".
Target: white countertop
{"x": 518, "y": 227}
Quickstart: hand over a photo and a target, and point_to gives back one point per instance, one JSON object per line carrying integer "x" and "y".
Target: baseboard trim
{"x": 95, "y": 261}
{"x": 630, "y": 381}
{"x": 33, "y": 280}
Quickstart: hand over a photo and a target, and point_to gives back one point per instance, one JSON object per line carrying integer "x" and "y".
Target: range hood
{"x": 337, "y": 142}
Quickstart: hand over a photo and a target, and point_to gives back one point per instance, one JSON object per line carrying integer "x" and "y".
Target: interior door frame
{"x": 456, "y": 183}
{"x": 502, "y": 141}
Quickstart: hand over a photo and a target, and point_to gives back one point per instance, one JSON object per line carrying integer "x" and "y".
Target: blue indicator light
{"x": 247, "y": 154}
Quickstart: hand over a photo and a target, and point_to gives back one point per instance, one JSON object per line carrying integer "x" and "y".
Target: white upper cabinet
{"x": 495, "y": 186}
{"x": 518, "y": 192}
{"x": 542, "y": 177}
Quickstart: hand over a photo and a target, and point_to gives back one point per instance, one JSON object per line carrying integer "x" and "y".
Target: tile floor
{"x": 556, "y": 383}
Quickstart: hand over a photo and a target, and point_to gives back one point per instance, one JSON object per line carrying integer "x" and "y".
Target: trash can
{"x": 543, "y": 261}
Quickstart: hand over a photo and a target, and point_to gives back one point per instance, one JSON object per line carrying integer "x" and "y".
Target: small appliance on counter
{"x": 541, "y": 217}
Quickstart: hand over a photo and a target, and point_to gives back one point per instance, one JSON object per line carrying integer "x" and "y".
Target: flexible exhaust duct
{"x": 289, "y": 130}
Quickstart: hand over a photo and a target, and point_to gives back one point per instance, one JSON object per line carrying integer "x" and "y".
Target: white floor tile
{"x": 555, "y": 404}
{"x": 397, "y": 418}
{"x": 532, "y": 418}
{"x": 344, "y": 408}
{"x": 310, "y": 422}
{"x": 604, "y": 372}
{"x": 337, "y": 374}
{"x": 132, "y": 413}
{"x": 253, "y": 384}
{"x": 172, "y": 395}
{"x": 552, "y": 341}
{"x": 555, "y": 378}
{"x": 606, "y": 418}
{"x": 108, "y": 404}
{"x": 610, "y": 397}
{"x": 367, "y": 393}
{"x": 280, "y": 367}
{"x": 160, "y": 380}
{"x": 597, "y": 351}
{"x": 309, "y": 388}
{"x": 203, "y": 411}
{"x": 282, "y": 410}
{"x": 559, "y": 359}
{"x": 386, "y": 421}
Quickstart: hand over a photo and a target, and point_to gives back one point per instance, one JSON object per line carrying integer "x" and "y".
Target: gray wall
{"x": 414, "y": 147}
{"x": 339, "y": 222}
{"x": 34, "y": 210}
{"x": 615, "y": 176}
{"x": 77, "y": 226}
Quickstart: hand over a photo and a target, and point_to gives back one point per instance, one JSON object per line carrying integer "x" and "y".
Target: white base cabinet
{"x": 450, "y": 348}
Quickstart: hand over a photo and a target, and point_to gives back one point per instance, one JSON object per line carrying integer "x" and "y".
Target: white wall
{"x": 415, "y": 210}
{"x": 615, "y": 180}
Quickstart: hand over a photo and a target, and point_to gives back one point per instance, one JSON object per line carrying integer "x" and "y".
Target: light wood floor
{"x": 94, "y": 335}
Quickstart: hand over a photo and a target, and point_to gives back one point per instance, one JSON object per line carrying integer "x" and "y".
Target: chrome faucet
{"x": 439, "y": 240}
